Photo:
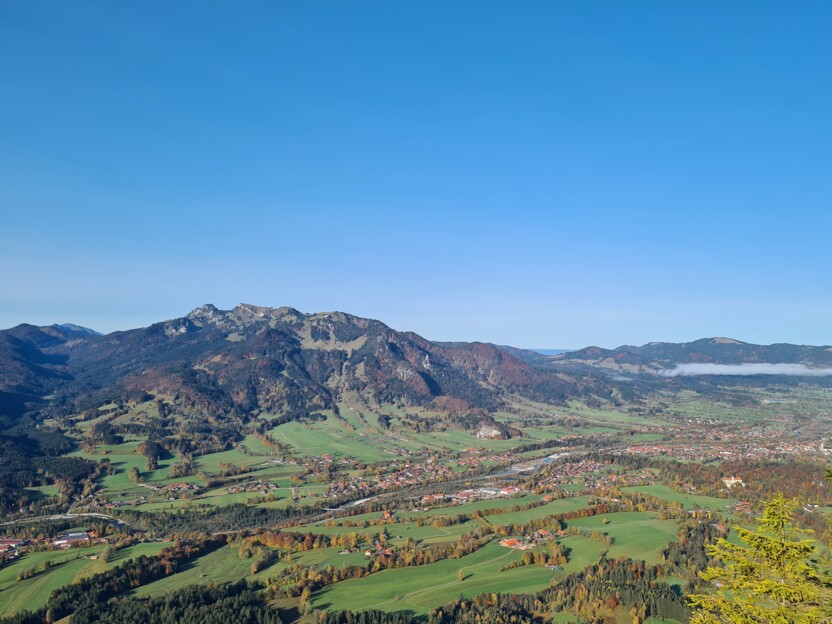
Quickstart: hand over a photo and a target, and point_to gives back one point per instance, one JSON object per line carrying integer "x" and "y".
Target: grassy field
{"x": 426, "y": 533}
{"x": 430, "y": 534}
{"x": 330, "y": 437}
{"x": 357, "y": 434}
{"x": 323, "y": 557}
{"x": 220, "y": 566}
{"x": 688, "y": 501}
{"x": 124, "y": 457}
{"x": 637, "y": 535}
{"x": 68, "y": 566}
{"x": 422, "y": 588}
{"x": 44, "y": 491}
{"x": 555, "y": 507}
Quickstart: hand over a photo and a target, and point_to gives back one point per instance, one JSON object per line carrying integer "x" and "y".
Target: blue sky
{"x": 543, "y": 174}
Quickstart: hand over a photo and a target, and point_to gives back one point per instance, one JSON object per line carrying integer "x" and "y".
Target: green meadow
{"x": 67, "y": 567}
{"x": 687, "y": 501}
{"x": 220, "y": 566}
{"x": 422, "y": 588}
{"x": 637, "y": 535}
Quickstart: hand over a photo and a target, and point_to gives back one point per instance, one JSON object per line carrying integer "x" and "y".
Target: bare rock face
{"x": 488, "y": 432}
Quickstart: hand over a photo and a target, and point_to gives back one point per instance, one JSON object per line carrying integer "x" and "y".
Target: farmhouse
{"x": 12, "y": 544}
{"x": 513, "y": 542}
{"x": 182, "y": 487}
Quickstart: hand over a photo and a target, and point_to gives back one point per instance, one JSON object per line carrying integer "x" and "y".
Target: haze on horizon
{"x": 553, "y": 175}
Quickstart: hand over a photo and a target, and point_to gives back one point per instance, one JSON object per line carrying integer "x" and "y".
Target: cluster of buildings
{"x": 466, "y": 496}
{"x": 741, "y": 507}
{"x": 728, "y": 451}
{"x": 379, "y": 551}
{"x": 119, "y": 503}
{"x": 527, "y": 542}
{"x": 261, "y": 486}
{"x": 10, "y": 548}
{"x": 415, "y": 474}
{"x": 592, "y": 474}
{"x": 571, "y": 472}
{"x": 178, "y": 488}
{"x": 476, "y": 456}
{"x": 76, "y": 538}
{"x": 517, "y": 543}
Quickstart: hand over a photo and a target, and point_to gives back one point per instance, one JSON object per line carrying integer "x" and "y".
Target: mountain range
{"x": 274, "y": 360}
{"x": 656, "y": 357}
{"x": 253, "y": 359}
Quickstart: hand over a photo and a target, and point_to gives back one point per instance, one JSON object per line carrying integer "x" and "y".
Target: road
{"x": 66, "y": 516}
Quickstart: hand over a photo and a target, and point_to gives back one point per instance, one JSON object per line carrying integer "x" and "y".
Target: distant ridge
{"x": 654, "y": 357}
{"x": 72, "y": 328}
{"x": 552, "y": 351}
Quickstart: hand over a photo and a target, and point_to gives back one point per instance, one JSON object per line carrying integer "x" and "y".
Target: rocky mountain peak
{"x": 207, "y": 312}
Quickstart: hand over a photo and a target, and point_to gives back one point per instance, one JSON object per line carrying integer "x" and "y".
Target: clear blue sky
{"x": 543, "y": 174}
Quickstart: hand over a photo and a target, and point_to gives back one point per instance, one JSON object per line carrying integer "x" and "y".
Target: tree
{"x": 771, "y": 580}
{"x": 305, "y": 603}
{"x": 134, "y": 475}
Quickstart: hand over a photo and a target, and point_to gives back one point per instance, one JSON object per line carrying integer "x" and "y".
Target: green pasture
{"x": 323, "y": 557}
{"x": 427, "y": 533}
{"x": 219, "y": 566}
{"x": 350, "y": 436}
{"x": 211, "y": 463}
{"x": 124, "y": 457}
{"x": 327, "y": 438}
{"x": 419, "y": 589}
{"x": 44, "y": 491}
{"x": 687, "y": 501}
{"x": 637, "y": 535}
{"x": 555, "y": 507}
{"x": 67, "y": 567}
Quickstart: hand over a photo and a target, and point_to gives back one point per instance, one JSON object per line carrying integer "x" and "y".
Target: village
{"x": 720, "y": 452}
{"x": 592, "y": 475}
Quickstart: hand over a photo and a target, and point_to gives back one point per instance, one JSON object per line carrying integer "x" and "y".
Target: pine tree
{"x": 771, "y": 580}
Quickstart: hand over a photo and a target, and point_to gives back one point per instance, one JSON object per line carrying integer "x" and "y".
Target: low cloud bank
{"x": 796, "y": 370}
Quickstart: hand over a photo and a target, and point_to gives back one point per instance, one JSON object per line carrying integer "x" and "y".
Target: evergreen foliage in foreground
{"x": 772, "y": 580}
